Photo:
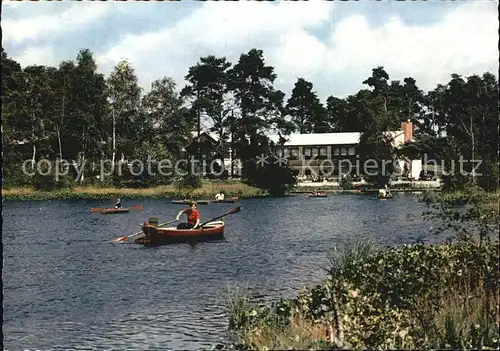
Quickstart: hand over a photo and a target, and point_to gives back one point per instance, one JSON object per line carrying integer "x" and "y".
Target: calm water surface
{"x": 66, "y": 286}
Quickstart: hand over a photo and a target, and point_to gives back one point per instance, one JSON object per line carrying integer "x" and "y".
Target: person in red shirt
{"x": 193, "y": 217}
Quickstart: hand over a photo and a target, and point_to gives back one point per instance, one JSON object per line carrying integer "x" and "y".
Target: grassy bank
{"x": 207, "y": 190}
{"x": 366, "y": 191}
{"x": 406, "y": 297}
{"x": 402, "y": 297}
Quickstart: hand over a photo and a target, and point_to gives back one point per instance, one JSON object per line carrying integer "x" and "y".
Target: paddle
{"x": 125, "y": 238}
{"x": 98, "y": 209}
{"x": 234, "y": 210}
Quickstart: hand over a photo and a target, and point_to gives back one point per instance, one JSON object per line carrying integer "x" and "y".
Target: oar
{"x": 98, "y": 209}
{"x": 125, "y": 238}
{"x": 234, "y": 210}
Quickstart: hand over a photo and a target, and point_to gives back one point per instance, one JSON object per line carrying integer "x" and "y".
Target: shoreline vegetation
{"x": 206, "y": 190}
{"x": 411, "y": 296}
{"x": 407, "y": 297}
{"x": 76, "y": 126}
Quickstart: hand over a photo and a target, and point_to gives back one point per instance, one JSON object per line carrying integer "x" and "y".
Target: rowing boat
{"x": 116, "y": 210}
{"x": 154, "y": 236}
{"x": 206, "y": 202}
{"x": 318, "y": 195}
{"x": 385, "y": 197}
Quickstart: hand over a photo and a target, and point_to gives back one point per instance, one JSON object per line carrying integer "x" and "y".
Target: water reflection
{"x": 67, "y": 286}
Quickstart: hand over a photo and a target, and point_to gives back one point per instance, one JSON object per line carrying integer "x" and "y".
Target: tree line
{"x": 73, "y": 112}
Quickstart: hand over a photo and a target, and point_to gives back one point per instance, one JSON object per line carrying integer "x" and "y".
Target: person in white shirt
{"x": 219, "y": 196}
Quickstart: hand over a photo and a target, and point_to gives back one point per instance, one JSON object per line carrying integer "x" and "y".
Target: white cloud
{"x": 215, "y": 28}
{"x": 11, "y": 4}
{"x": 463, "y": 42}
{"x": 37, "y": 55}
{"x": 56, "y": 24}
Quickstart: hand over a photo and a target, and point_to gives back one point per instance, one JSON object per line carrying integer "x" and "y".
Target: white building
{"x": 323, "y": 154}
{"x": 334, "y": 154}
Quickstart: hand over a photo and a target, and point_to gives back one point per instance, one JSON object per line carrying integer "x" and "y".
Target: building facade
{"x": 331, "y": 155}
{"x": 325, "y": 155}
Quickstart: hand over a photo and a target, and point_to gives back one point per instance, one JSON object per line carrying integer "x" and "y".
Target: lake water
{"x": 67, "y": 286}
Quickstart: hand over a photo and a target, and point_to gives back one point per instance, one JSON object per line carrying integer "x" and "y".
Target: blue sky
{"x": 333, "y": 44}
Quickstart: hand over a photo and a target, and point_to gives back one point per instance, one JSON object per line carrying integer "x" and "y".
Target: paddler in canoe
{"x": 384, "y": 192}
{"x": 219, "y": 196}
{"x": 193, "y": 217}
{"x": 118, "y": 203}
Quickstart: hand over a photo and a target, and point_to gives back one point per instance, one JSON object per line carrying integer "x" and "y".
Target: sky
{"x": 335, "y": 45}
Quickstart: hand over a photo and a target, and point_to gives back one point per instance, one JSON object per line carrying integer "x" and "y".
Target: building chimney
{"x": 407, "y": 128}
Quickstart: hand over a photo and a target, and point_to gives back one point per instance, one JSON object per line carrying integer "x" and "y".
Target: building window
{"x": 287, "y": 152}
{"x": 307, "y": 152}
{"x": 322, "y": 151}
{"x": 315, "y": 151}
{"x": 336, "y": 151}
{"x": 279, "y": 152}
{"x": 352, "y": 151}
{"x": 294, "y": 154}
{"x": 343, "y": 151}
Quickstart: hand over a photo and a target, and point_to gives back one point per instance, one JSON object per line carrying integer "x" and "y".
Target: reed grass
{"x": 463, "y": 314}
{"x": 462, "y": 320}
{"x": 269, "y": 334}
{"x": 354, "y": 252}
{"x": 207, "y": 190}
{"x": 300, "y": 334}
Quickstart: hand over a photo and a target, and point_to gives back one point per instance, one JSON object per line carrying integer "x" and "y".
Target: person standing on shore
{"x": 193, "y": 217}
{"x": 387, "y": 190}
{"x": 219, "y": 196}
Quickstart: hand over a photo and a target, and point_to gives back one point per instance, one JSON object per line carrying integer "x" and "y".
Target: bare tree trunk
{"x": 199, "y": 130}
{"x": 58, "y": 129}
{"x": 83, "y": 156}
{"x": 473, "y": 151}
{"x": 59, "y": 141}
{"x": 34, "y": 153}
{"x": 232, "y": 143}
{"x": 222, "y": 149}
{"x": 335, "y": 330}
{"x": 470, "y": 132}
{"x": 33, "y": 141}
{"x": 114, "y": 138}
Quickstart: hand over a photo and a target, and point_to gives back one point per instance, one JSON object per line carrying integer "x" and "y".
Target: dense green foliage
{"x": 403, "y": 297}
{"x": 469, "y": 215}
{"x": 72, "y": 112}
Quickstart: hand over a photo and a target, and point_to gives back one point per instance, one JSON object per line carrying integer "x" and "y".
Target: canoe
{"x": 318, "y": 195}
{"x": 386, "y": 197}
{"x": 205, "y": 202}
{"x": 154, "y": 236}
{"x": 114, "y": 210}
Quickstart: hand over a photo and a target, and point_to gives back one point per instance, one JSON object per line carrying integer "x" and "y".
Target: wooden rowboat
{"x": 154, "y": 236}
{"x": 319, "y": 195}
{"x": 386, "y": 197}
{"x": 206, "y": 202}
{"x": 116, "y": 210}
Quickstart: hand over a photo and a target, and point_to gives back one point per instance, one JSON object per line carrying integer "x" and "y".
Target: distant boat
{"x": 116, "y": 210}
{"x": 206, "y": 202}
{"x": 319, "y": 195}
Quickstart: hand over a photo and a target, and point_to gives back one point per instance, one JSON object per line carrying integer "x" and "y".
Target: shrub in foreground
{"x": 411, "y": 296}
